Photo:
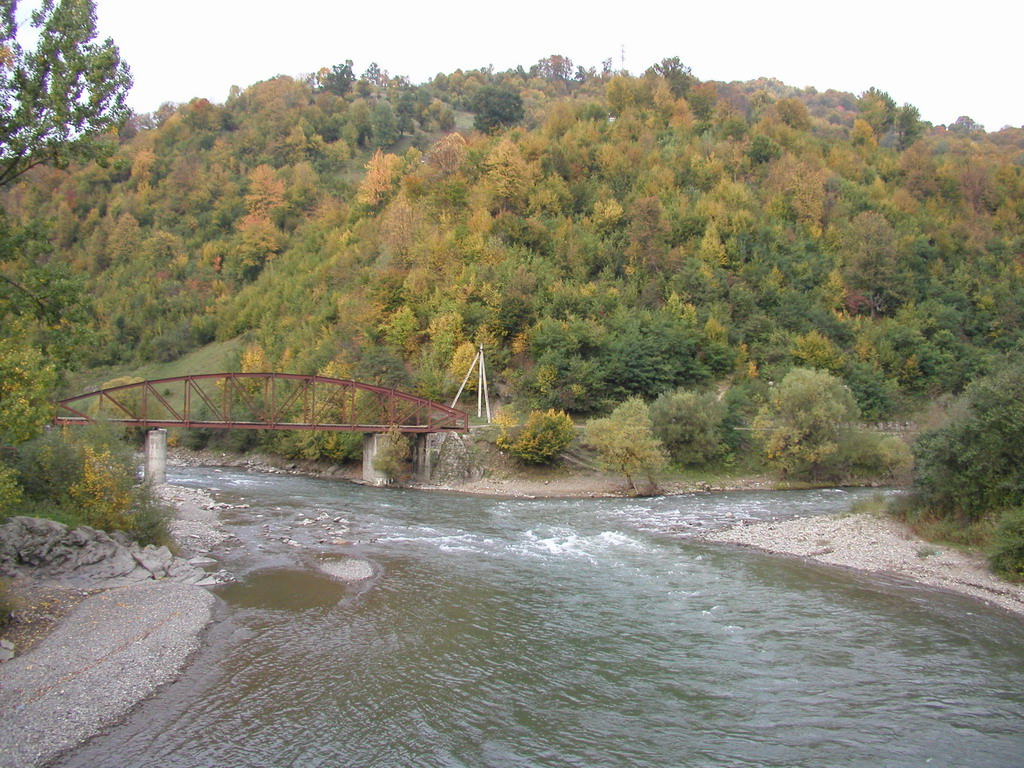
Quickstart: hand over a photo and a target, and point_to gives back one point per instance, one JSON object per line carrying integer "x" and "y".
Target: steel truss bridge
{"x": 280, "y": 401}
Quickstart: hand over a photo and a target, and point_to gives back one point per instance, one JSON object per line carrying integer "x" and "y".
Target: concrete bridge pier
{"x": 371, "y": 444}
{"x": 156, "y": 457}
{"x": 421, "y": 463}
{"x": 420, "y": 457}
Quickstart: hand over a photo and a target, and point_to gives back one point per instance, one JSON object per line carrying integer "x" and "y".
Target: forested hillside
{"x": 602, "y": 235}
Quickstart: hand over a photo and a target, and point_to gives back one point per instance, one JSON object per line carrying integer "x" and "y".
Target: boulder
{"x": 44, "y": 550}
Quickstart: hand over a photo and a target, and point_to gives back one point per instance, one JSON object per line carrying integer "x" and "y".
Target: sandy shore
{"x": 879, "y": 545}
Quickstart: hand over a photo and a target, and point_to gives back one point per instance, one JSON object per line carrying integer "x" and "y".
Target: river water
{"x": 500, "y": 632}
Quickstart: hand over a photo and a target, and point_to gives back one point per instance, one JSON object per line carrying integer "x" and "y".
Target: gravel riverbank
{"x": 113, "y": 648}
{"x": 879, "y": 545}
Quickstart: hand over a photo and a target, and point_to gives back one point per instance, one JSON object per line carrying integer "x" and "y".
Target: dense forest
{"x": 705, "y": 272}
{"x": 603, "y": 235}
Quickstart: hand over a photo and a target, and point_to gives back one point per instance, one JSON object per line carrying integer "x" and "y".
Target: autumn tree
{"x": 625, "y": 443}
{"x": 378, "y": 184}
{"x": 508, "y": 175}
{"x": 555, "y": 68}
{"x": 447, "y": 155}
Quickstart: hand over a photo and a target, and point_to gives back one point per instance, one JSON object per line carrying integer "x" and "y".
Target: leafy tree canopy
{"x": 496, "y": 107}
{"x": 57, "y": 99}
{"x": 974, "y": 464}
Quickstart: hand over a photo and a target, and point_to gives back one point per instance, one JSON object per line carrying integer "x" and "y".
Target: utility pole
{"x": 482, "y": 395}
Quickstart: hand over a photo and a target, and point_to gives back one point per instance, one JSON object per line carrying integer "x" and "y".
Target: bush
{"x": 392, "y": 453}
{"x": 864, "y": 455}
{"x": 10, "y": 490}
{"x": 541, "y": 439}
{"x": 87, "y": 476}
{"x": 7, "y": 602}
{"x": 1007, "y": 553}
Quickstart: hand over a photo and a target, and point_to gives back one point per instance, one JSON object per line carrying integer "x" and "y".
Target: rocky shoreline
{"x": 116, "y": 623}
{"x": 876, "y": 544}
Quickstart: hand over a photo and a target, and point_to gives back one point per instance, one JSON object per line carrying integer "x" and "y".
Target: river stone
{"x": 347, "y": 569}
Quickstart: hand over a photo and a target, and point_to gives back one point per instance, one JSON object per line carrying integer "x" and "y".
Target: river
{"x": 506, "y": 632}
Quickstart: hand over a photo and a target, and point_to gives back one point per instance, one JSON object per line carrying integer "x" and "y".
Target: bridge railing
{"x": 278, "y": 401}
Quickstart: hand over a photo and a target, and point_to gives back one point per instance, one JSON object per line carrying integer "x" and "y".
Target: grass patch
{"x": 876, "y": 506}
{"x": 949, "y": 531}
{"x": 215, "y": 357}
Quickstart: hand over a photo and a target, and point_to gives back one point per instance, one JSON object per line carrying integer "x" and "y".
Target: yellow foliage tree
{"x": 103, "y": 495}
{"x": 379, "y": 182}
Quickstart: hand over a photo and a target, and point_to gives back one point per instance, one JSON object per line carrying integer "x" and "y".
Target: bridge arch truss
{"x": 276, "y": 401}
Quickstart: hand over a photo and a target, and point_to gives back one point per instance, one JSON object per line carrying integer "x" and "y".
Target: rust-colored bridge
{"x": 262, "y": 401}
{"x": 267, "y": 401}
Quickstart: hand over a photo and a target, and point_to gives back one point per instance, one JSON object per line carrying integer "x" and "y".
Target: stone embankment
{"x": 879, "y": 545}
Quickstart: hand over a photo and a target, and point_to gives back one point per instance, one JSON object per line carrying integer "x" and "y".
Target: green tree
{"x": 677, "y": 75}
{"x": 625, "y": 443}
{"x": 56, "y": 102}
{"x": 908, "y": 126}
{"x": 763, "y": 150}
{"x": 495, "y": 107}
{"x": 974, "y": 464}
{"x": 338, "y": 79}
{"x": 804, "y": 421}
{"x": 384, "y": 125}
{"x": 878, "y": 109}
{"x": 872, "y": 266}
{"x": 689, "y": 424}
{"x": 58, "y": 99}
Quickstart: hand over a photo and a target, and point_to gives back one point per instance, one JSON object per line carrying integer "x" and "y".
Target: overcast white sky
{"x": 947, "y": 60}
